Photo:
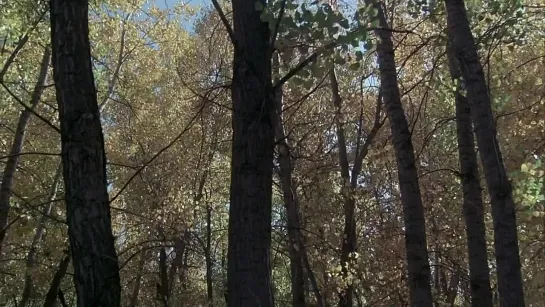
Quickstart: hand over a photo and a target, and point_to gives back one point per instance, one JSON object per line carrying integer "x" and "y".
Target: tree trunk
{"x": 37, "y": 239}
{"x": 291, "y": 203}
{"x": 208, "y": 255}
{"x": 133, "y": 301}
{"x": 499, "y": 187}
{"x": 481, "y": 293}
{"x": 17, "y": 146}
{"x": 349, "y": 231}
{"x": 249, "y": 271}
{"x": 54, "y": 288}
{"x": 96, "y": 268}
{"x": 413, "y": 210}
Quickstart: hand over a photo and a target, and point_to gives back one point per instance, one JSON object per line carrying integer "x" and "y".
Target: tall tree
{"x": 17, "y": 146}
{"x": 481, "y": 294}
{"x": 96, "y": 270}
{"x": 413, "y": 210}
{"x": 249, "y": 272}
{"x": 499, "y": 187}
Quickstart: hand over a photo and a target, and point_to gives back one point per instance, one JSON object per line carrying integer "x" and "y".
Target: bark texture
{"x": 17, "y": 146}
{"x": 499, "y": 187}
{"x": 473, "y": 210}
{"x": 249, "y": 272}
{"x": 413, "y": 210}
{"x": 96, "y": 269}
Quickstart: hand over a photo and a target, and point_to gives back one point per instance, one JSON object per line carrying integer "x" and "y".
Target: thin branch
{"x": 225, "y": 21}
{"x": 120, "y": 61}
{"x": 20, "y": 44}
{"x": 304, "y": 63}
{"x": 29, "y": 109}
{"x": 187, "y": 127}
{"x": 278, "y": 21}
{"x": 30, "y": 154}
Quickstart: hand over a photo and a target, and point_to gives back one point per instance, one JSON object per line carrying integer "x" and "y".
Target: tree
{"x": 413, "y": 210}
{"x": 499, "y": 187}
{"x": 252, "y": 160}
{"x": 96, "y": 271}
{"x": 481, "y": 294}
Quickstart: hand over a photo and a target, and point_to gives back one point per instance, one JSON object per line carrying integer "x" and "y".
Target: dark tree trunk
{"x": 252, "y": 161}
{"x": 133, "y": 301}
{"x": 54, "y": 288}
{"x": 499, "y": 187}
{"x": 481, "y": 293}
{"x": 96, "y": 269}
{"x": 413, "y": 210}
{"x": 17, "y": 146}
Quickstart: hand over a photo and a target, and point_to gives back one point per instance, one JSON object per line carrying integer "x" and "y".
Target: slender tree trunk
{"x": 17, "y": 146}
{"x": 499, "y": 187}
{"x": 133, "y": 301}
{"x": 208, "y": 256}
{"x": 413, "y": 210}
{"x": 163, "y": 288}
{"x": 481, "y": 293}
{"x": 54, "y": 288}
{"x": 96, "y": 269}
{"x": 349, "y": 231}
{"x": 291, "y": 203}
{"x": 249, "y": 271}
{"x": 37, "y": 239}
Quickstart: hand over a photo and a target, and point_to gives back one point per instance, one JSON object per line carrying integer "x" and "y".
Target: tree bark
{"x": 249, "y": 272}
{"x": 499, "y": 187}
{"x": 473, "y": 210}
{"x": 54, "y": 288}
{"x": 96, "y": 268}
{"x": 413, "y": 210}
{"x": 17, "y": 146}
{"x": 36, "y": 240}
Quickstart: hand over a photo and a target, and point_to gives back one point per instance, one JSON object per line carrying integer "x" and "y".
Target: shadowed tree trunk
{"x": 54, "y": 288}
{"x": 350, "y": 178}
{"x": 249, "y": 272}
{"x": 413, "y": 210}
{"x": 37, "y": 239}
{"x": 299, "y": 260}
{"x": 499, "y": 187}
{"x": 96, "y": 269}
{"x": 481, "y": 293}
{"x": 17, "y": 146}
{"x": 133, "y": 301}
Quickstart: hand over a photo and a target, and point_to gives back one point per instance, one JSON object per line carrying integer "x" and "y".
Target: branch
{"x": 120, "y": 60}
{"x": 278, "y": 20}
{"x": 225, "y": 21}
{"x": 29, "y": 109}
{"x": 304, "y": 63}
{"x": 187, "y": 127}
{"x": 20, "y": 44}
